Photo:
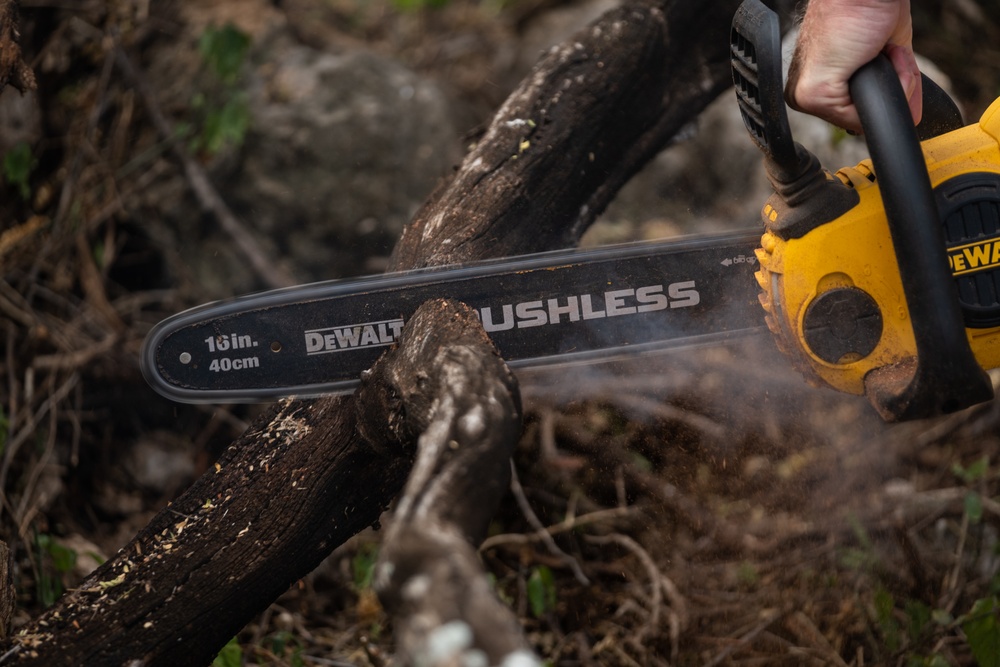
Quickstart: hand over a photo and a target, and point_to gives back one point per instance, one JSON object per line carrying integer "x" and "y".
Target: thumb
{"x": 905, "y": 64}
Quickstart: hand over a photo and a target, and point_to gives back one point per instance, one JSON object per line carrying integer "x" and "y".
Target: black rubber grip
{"x": 946, "y": 376}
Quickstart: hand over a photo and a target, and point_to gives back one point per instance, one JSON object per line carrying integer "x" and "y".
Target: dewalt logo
{"x": 974, "y": 257}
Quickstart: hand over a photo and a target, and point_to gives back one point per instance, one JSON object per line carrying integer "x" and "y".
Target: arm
{"x": 838, "y": 37}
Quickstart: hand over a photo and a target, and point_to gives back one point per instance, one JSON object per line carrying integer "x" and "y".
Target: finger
{"x": 905, "y": 64}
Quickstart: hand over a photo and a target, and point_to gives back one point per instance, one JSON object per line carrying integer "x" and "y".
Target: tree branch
{"x": 447, "y": 378}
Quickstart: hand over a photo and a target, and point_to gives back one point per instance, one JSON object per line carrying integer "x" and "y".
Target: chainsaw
{"x": 882, "y": 279}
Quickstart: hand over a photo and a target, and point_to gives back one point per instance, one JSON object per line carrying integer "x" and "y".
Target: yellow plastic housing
{"x": 855, "y": 250}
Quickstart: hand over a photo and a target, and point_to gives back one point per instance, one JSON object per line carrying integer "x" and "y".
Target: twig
{"x": 690, "y": 512}
{"x": 568, "y": 524}
{"x": 666, "y": 412}
{"x": 12, "y": 389}
{"x": 32, "y": 497}
{"x": 208, "y": 196}
{"x": 540, "y": 531}
{"x": 13, "y": 236}
{"x": 327, "y": 661}
{"x": 547, "y": 434}
{"x": 927, "y": 505}
{"x": 622, "y": 656}
{"x": 15, "y": 442}
{"x": 92, "y": 283}
{"x": 660, "y": 585}
{"x": 73, "y": 360}
{"x": 951, "y": 579}
{"x": 20, "y": 312}
{"x": 11, "y": 652}
{"x": 73, "y": 175}
{"x": 806, "y": 631}
{"x": 748, "y": 637}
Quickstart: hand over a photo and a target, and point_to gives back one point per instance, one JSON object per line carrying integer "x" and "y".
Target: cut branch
{"x": 465, "y": 402}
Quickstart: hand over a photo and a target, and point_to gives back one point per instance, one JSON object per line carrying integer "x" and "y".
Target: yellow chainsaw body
{"x": 848, "y": 265}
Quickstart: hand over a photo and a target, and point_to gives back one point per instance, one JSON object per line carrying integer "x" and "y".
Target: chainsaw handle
{"x": 945, "y": 375}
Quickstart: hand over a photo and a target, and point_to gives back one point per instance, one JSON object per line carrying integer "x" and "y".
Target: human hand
{"x": 838, "y": 37}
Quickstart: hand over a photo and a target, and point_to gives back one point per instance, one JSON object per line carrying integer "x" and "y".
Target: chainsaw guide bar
{"x": 557, "y": 307}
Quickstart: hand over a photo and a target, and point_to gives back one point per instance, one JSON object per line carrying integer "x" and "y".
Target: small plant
{"x": 861, "y": 558}
{"x": 919, "y": 623}
{"x": 231, "y": 655}
{"x": 838, "y": 136}
{"x": 363, "y": 566}
{"x": 369, "y": 608}
{"x": 54, "y": 562}
{"x": 982, "y": 630}
{"x": 885, "y": 607}
{"x": 971, "y": 475}
{"x": 18, "y": 163}
{"x": 417, "y": 5}
{"x": 541, "y": 591}
{"x": 224, "y": 50}
{"x": 747, "y": 575}
{"x": 223, "y": 111}
{"x": 286, "y": 646}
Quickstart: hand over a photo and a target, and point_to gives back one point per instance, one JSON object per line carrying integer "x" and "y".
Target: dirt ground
{"x": 699, "y": 507}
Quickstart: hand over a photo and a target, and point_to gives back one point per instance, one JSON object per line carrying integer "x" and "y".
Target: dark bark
{"x": 272, "y": 509}
{"x": 13, "y": 70}
{"x": 8, "y": 594}
{"x": 589, "y": 116}
{"x": 307, "y": 475}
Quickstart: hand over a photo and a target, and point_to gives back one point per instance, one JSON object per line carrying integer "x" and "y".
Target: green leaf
{"x": 224, "y": 50}
{"x": 279, "y": 640}
{"x": 18, "y": 163}
{"x": 942, "y": 617}
{"x": 363, "y": 566}
{"x": 885, "y": 607}
{"x": 837, "y": 136}
{"x": 974, "y": 507}
{"x": 541, "y": 591}
{"x": 221, "y": 112}
{"x": 747, "y": 574}
{"x": 223, "y": 126}
{"x": 860, "y": 533}
{"x": 935, "y": 660}
{"x": 982, "y": 630}
{"x": 918, "y": 617}
{"x": 416, "y": 5}
{"x": 231, "y": 655}
{"x": 47, "y": 588}
{"x": 63, "y": 558}
{"x": 975, "y": 472}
